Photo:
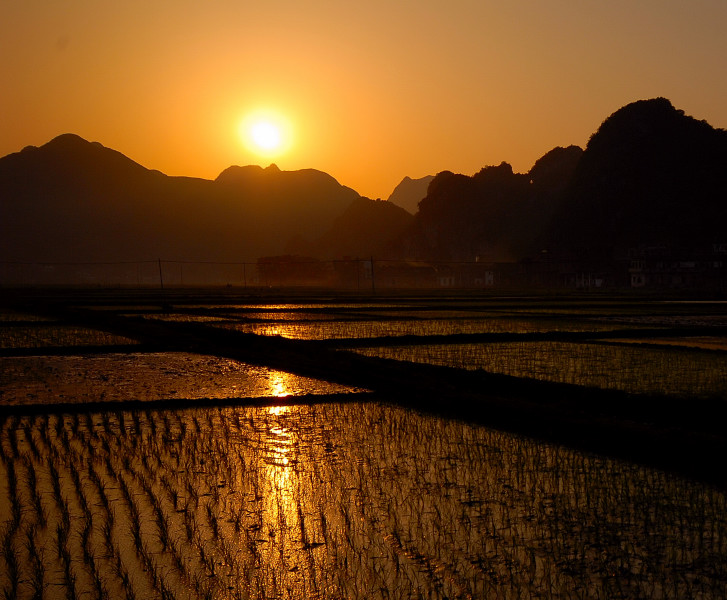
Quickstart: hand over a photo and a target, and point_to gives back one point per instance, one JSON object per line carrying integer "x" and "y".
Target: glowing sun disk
{"x": 266, "y": 133}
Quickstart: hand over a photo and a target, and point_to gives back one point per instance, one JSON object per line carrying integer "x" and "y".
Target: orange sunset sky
{"x": 366, "y": 91}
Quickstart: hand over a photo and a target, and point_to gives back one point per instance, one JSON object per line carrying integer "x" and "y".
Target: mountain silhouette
{"x": 72, "y": 200}
{"x": 409, "y": 192}
{"x": 649, "y": 176}
{"x": 494, "y": 215}
{"x": 366, "y": 228}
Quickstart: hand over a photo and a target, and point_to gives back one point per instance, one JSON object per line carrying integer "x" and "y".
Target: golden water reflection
{"x": 360, "y": 501}
{"x": 354, "y": 500}
{"x": 281, "y": 384}
{"x": 285, "y": 501}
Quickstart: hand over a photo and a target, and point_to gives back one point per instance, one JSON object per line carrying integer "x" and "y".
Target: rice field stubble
{"x": 335, "y": 500}
{"x": 358, "y": 499}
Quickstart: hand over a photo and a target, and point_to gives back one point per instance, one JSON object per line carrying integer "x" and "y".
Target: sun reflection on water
{"x": 280, "y": 385}
{"x": 279, "y": 442}
{"x": 282, "y": 496}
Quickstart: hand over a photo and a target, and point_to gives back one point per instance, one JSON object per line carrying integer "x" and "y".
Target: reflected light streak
{"x": 280, "y": 385}
{"x": 282, "y": 490}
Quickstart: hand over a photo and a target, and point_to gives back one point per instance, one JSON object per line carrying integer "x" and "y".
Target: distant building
{"x": 660, "y": 267}
{"x": 446, "y": 275}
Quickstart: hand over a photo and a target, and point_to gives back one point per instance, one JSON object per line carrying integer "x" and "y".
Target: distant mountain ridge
{"x": 366, "y": 228}
{"x": 73, "y": 200}
{"x": 410, "y": 192}
{"x": 650, "y": 175}
{"x": 494, "y": 215}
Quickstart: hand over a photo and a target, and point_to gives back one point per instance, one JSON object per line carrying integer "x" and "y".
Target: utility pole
{"x": 373, "y": 280}
{"x": 161, "y": 279}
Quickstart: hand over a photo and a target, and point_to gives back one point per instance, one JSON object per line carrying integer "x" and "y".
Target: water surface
{"x": 356, "y": 500}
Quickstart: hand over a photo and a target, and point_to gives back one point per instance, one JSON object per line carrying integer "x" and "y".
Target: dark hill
{"x": 495, "y": 215}
{"x": 72, "y": 200}
{"x": 366, "y": 228}
{"x": 650, "y": 175}
{"x": 410, "y": 192}
{"x": 300, "y": 203}
{"x": 551, "y": 174}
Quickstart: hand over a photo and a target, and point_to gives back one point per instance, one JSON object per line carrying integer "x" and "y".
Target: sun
{"x": 266, "y": 133}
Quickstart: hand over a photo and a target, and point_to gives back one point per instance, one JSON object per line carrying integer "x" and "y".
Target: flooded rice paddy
{"x": 320, "y": 329}
{"x": 50, "y": 336}
{"x": 659, "y": 369}
{"x": 357, "y": 500}
{"x": 147, "y": 377}
{"x": 286, "y": 485}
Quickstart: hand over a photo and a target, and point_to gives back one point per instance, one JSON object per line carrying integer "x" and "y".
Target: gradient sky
{"x": 372, "y": 91}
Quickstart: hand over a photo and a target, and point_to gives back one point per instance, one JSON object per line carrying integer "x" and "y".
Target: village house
{"x": 659, "y": 267}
